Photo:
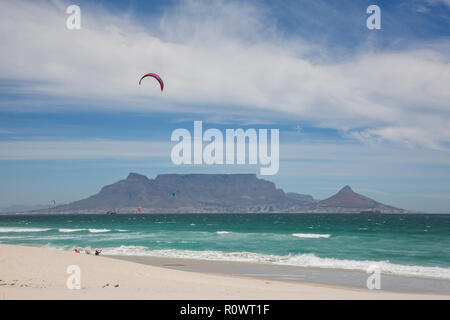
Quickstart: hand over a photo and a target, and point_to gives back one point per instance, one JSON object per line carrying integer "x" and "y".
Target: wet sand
{"x": 323, "y": 276}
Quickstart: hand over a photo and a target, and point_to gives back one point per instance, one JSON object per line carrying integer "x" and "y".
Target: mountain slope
{"x": 305, "y": 198}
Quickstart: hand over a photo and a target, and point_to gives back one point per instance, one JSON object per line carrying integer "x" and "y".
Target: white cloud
{"x": 411, "y": 136}
{"x": 82, "y": 149}
{"x": 220, "y": 57}
{"x": 290, "y": 152}
{"x": 436, "y": 2}
{"x": 423, "y": 6}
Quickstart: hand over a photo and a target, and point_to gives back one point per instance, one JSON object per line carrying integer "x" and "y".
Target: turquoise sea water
{"x": 412, "y": 245}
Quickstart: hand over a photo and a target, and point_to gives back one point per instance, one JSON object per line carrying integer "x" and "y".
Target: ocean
{"x": 414, "y": 245}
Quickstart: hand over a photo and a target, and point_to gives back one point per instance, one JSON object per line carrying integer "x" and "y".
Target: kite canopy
{"x": 139, "y": 208}
{"x": 153, "y": 75}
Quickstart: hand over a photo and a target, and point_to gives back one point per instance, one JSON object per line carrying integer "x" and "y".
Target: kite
{"x": 139, "y": 209}
{"x": 153, "y": 75}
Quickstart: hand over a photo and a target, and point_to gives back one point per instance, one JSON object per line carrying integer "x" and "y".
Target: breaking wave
{"x": 99, "y": 230}
{"x": 5, "y": 230}
{"x": 299, "y": 260}
{"x": 70, "y": 230}
{"x": 310, "y": 235}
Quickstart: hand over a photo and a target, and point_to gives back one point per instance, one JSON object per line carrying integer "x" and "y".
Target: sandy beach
{"x": 40, "y": 273}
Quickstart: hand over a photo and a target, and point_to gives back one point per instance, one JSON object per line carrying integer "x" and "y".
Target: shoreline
{"x": 40, "y": 273}
{"x": 342, "y": 278}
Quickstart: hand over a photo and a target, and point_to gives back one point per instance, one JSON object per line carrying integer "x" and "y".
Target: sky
{"x": 359, "y": 107}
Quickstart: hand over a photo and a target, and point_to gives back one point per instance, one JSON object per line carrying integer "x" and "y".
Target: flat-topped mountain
{"x": 213, "y": 193}
{"x": 194, "y": 193}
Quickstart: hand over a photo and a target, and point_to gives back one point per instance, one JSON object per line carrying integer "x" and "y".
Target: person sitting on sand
{"x": 77, "y": 251}
{"x": 97, "y": 252}
{"x": 87, "y": 251}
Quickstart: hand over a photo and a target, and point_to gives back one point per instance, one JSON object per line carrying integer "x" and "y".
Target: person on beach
{"x": 87, "y": 251}
{"x": 97, "y": 252}
{"x": 77, "y": 251}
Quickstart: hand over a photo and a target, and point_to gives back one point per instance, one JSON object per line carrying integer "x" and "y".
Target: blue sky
{"x": 367, "y": 108}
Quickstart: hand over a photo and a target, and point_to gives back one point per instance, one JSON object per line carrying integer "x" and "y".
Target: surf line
{"x": 213, "y": 153}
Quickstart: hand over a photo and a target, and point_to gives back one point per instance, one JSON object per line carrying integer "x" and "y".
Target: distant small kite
{"x": 174, "y": 192}
{"x": 153, "y": 75}
{"x": 139, "y": 208}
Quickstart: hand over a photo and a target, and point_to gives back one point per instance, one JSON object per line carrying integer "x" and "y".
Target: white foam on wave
{"x": 223, "y": 232}
{"x": 6, "y": 230}
{"x": 70, "y": 230}
{"x": 121, "y": 230}
{"x": 99, "y": 230}
{"x": 310, "y": 235}
{"x": 11, "y": 237}
{"x": 299, "y": 260}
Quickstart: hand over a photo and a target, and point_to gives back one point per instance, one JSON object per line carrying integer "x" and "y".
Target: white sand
{"x": 40, "y": 273}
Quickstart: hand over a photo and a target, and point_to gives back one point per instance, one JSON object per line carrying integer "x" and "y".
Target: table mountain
{"x": 194, "y": 193}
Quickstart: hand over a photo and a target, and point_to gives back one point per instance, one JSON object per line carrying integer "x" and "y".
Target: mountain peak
{"x": 347, "y": 198}
{"x": 136, "y": 177}
{"x": 346, "y": 189}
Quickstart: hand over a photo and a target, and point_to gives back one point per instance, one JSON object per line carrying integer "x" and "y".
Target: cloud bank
{"x": 223, "y": 57}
